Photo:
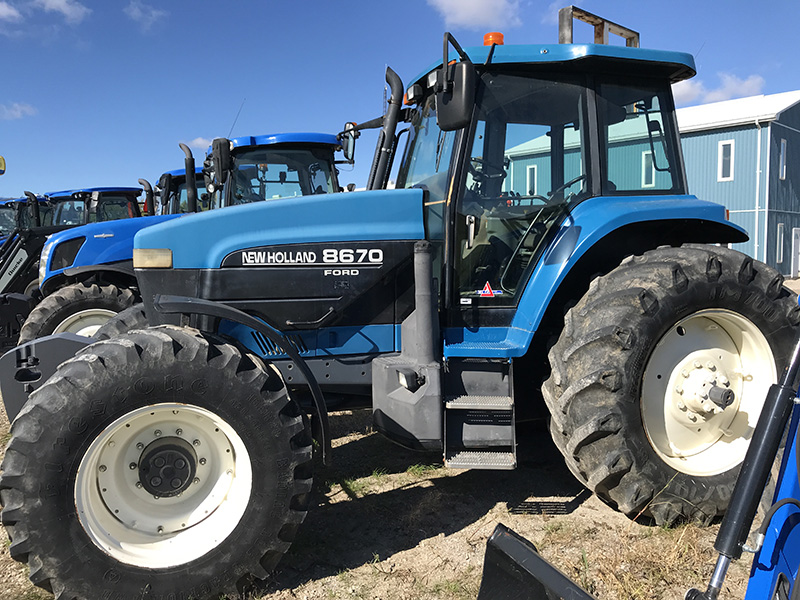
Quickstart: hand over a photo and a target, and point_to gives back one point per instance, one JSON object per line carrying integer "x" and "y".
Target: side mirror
{"x": 454, "y": 107}
{"x": 2, "y": 165}
{"x": 347, "y": 139}
{"x": 165, "y": 185}
{"x": 221, "y": 155}
{"x": 455, "y": 89}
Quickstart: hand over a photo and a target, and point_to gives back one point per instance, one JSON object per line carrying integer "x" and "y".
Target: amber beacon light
{"x": 493, "y": 37}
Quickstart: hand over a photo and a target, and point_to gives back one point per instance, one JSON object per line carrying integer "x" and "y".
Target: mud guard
{"x": 25, "y": 368}
{"x": 14, "y": 309}
{"x": 514, "y": 570}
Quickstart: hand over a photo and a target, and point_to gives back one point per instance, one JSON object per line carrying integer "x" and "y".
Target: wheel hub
{"x": 702, "y": 389}
{"x": 167, "y": 467}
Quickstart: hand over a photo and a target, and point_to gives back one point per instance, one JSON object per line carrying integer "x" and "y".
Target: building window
{"x": 782, "y": 164}
{"x": 779, "y": 249}
{"x": 725, "y": 161}
{"x": 648, "y": 170}
{"x": 530, "y": 181}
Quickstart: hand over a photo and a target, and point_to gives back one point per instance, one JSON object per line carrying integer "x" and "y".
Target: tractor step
{"x": 479, "y": 415}
{"x": 483, "y": 459}
{"x": 480, "y": 403}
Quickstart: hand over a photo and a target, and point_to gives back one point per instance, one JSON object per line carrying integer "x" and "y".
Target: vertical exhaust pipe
{"x": 149, "y": 208}
{"x": 191, "y": 181}
{"x": 33, "y": 209}
{"x": 383, "y": 151}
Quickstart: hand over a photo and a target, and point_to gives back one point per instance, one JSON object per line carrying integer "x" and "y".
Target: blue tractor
{"x": 541, "y": 256}
{"x": 86, "y": 274}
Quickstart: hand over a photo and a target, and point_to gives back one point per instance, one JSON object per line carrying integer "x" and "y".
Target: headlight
{"x": 152, "y": 258}
{"x": 45, "y": 256}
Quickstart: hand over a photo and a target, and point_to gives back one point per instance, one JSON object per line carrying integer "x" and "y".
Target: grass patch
{"x": 422, "y": 470}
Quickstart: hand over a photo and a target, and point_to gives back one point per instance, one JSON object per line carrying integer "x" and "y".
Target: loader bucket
{"x": 514, "y": 570}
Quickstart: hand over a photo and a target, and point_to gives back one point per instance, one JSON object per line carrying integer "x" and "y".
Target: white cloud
{"x": 144, "y": 14}
{"x": 199, "y": 143}
{"x": 72, "y": 10}
{"x": 9, "y": 13}
{"x": 733, "y": 87}
{"x": 11, "y": 112}
{"x": 688, "y": 91}
{"x": 478, "y": 14}
{"x": 696, "y": 92}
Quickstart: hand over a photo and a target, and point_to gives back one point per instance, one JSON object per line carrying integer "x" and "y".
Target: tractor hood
{"x": 204, "y": 240}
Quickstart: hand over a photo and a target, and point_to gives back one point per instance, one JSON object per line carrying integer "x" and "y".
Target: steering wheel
{"x": 483, "y": 174}
{"x": 569, "y": 184}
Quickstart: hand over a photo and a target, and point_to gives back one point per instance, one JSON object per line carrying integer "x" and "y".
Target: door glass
{"x": 527, "y": 164}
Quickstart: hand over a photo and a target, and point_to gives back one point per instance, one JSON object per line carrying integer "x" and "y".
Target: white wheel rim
{"x": 85, "y": 322}
{"x": 137, "y": 527}
{"x": 709, "y": 349}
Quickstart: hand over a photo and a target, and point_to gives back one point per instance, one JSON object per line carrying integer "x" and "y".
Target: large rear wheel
{"x": 660, "y": 374}
{"x": 163, "y": 460}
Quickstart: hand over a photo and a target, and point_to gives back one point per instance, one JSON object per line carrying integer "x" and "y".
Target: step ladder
{"x": 479, "y": 426}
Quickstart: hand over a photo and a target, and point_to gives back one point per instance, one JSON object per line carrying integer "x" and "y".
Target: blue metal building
{"x": 743, "y": 154}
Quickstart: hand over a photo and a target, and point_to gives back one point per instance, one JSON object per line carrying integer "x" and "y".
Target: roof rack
{"x": 602, "y": 27}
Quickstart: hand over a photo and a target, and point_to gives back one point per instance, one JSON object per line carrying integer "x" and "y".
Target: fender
{"x": 197, "y": 306}
{"x": 588, "y": 223}
{"x": 57, "y": 279}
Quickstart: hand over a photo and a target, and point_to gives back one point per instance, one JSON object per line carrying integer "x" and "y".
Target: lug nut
{"x": 202, "y": 461}
{"x": 179, "y": 431}
{"x": 711, "y": 366}
{"x": 196, "y": 480}
{"x": 678, "y": 389}
{"x": 692, "y": 417}
{"x": 102, "y": 468}
{"x": 139, "y": 446}
{"x": 157, "y": 433}
{"x": 132, "y": 466}
{"x": 139, "y": 485}
{"x": 112, "y": 443}
{"x": 196, "y": 442}
{"x": 160, "y": 529}
{"x": 681, "y": 405}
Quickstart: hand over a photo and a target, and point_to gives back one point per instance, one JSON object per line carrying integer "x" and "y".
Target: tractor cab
{"x": 173, "y": 192}
{"x": 254, "y": 168}
{"x": 92, "y": 205}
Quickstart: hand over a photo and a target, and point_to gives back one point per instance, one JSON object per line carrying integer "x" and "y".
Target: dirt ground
{"x": 391, "y": 524}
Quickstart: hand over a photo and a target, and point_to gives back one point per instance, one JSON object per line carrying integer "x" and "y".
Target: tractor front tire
{"x": 131, "y": 318}
{"x": 164, "y": 463}
{"x": 79, "y": 308}
{"x": 659, "y": 376}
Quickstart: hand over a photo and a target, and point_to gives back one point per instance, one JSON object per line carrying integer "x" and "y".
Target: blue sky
{"x": 101, "y": 92}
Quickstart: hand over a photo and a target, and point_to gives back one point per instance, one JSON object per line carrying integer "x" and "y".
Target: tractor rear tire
{"x": 639, "y": 363}
{"x": 79, "y": 308}
{"x": 165, "y": 463}
{"x": 131, "y": 318}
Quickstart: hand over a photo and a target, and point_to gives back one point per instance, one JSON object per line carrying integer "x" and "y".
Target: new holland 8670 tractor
{"x": 541, "y": 243}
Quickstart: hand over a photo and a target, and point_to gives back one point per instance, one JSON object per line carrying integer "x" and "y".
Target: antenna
{"x": 237, "y": 117}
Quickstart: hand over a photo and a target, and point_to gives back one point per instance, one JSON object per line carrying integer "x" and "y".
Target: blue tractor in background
{"x": 541, "y": 257}
{"x": 37, "y": 220}
{"x": 86, "y": 274}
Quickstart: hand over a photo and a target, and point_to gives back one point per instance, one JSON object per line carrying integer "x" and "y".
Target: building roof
{"x": 732, "y": 113}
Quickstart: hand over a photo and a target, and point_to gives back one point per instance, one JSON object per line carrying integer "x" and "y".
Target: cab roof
{"x": 285, "y": 138}
{"x": 133, "y": 190}
{"x": 676, "y": 66}
{"x": 182, "y": 172}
